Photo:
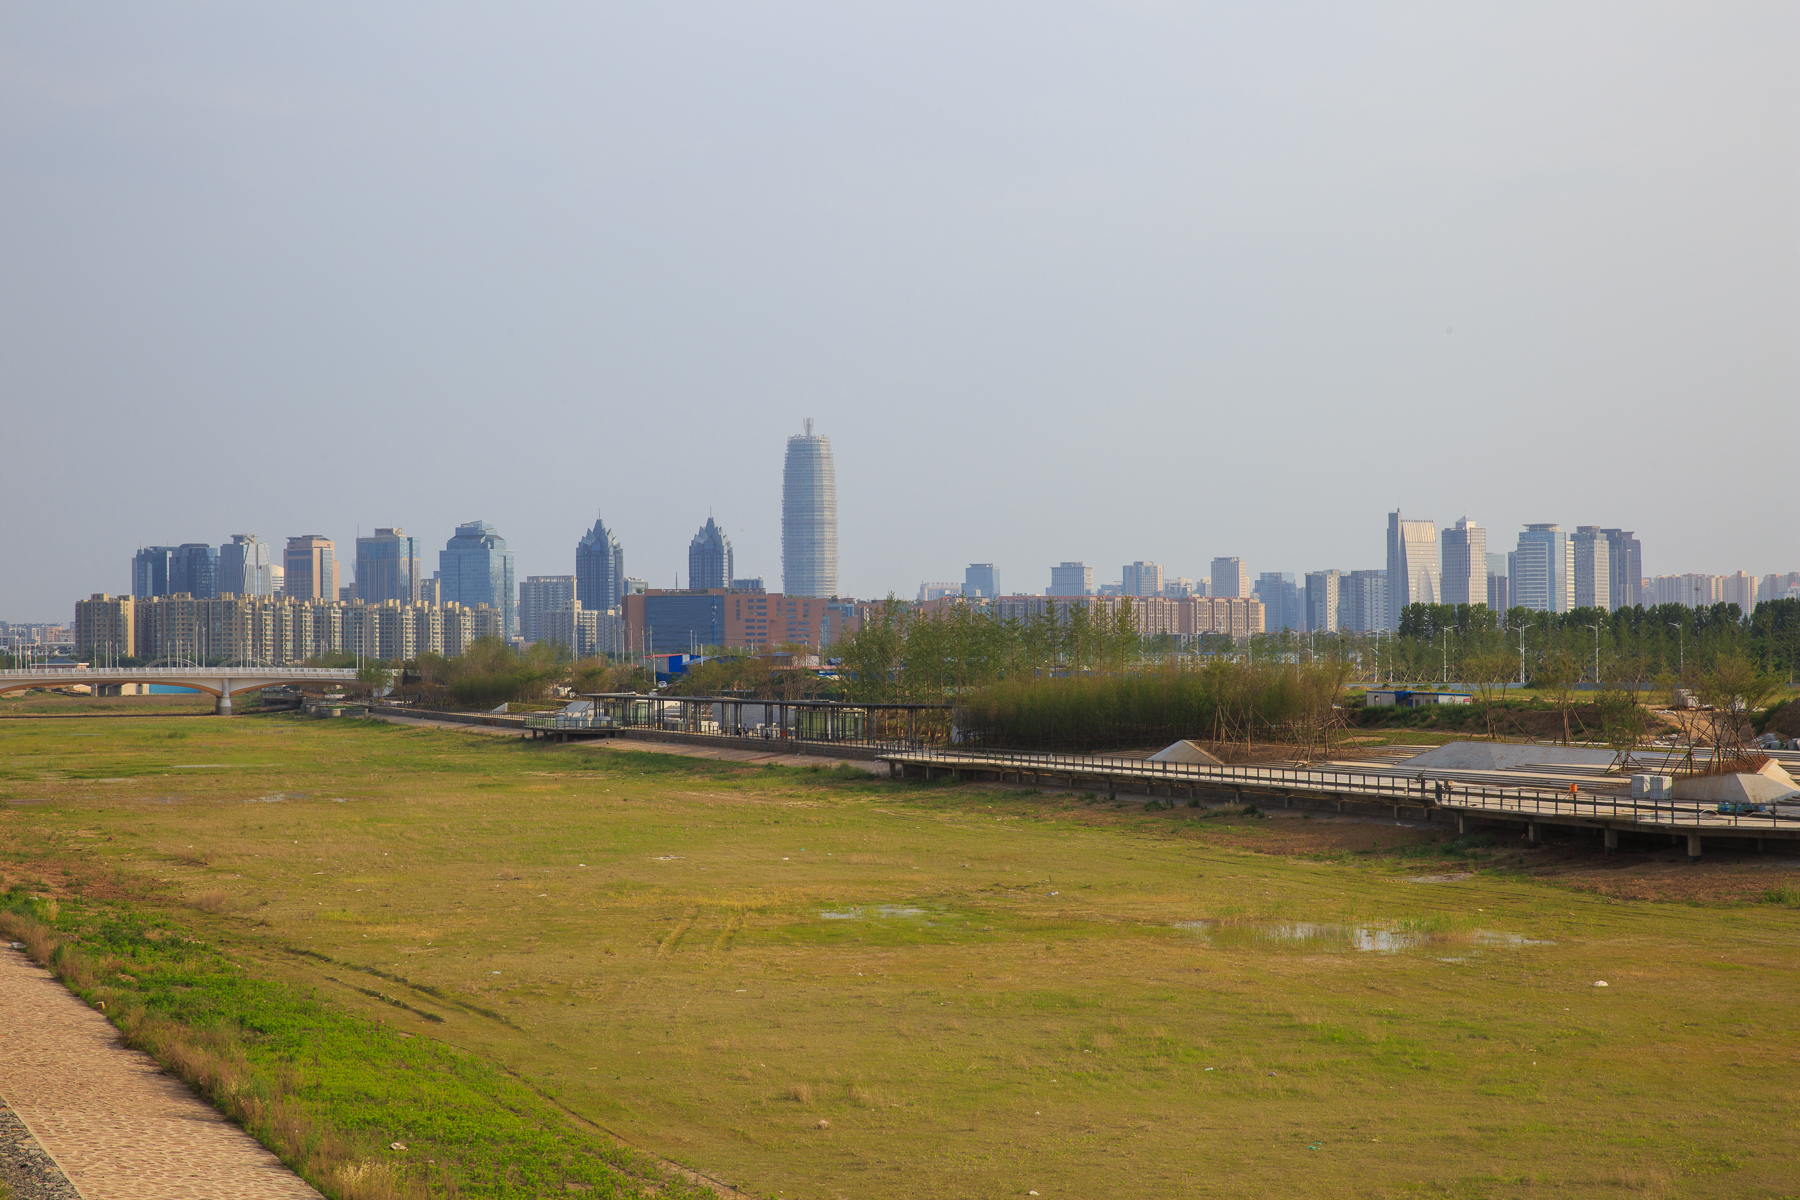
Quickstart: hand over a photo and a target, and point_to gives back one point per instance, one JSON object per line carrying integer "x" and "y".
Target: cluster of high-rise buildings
{"x": 1548, "y": 570}
{"x": 246, "y": 599}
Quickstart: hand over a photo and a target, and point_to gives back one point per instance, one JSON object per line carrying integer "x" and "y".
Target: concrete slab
{"x": 1506, "y": 756}
{"x": 1767, "y": 786}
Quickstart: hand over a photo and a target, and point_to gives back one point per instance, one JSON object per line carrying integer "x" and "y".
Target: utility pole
{"x": 1596, "y": 630}
{"x": 1680, "y": 648}
{"x": 1521, "y": 633}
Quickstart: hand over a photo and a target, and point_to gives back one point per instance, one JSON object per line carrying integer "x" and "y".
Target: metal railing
{"x": 1390, "y": 787}
{"x": 335, "y": 674}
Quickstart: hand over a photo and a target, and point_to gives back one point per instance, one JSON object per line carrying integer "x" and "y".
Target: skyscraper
{"x": 539, "y": 597}
{"x": 1543, "y": 570}
{"x": 599, "y": 568}
{"x": 809, "y": 533}
{"x": 194, "y": 569}
{"x": 1412, "y": 566}
{"x": 709, "y": 558}
{"x": 1624, "y": 568}
{"x": 1593, "y": 562}
{"x": 1281, "y": 601}
{"x": 1071, "y": 579}
{"x": 1364, "y": 602}
{"x": 389, "y": 566}
{"x": 1322, "y": 588}
{"x": 475, "y": 567}
{"x": 980, "y": 579}
{"x": 150, "y": 571}
{"x": 1143, "y": 579}
{"x": 1465, "y": 564}
{"x": 1230, "y": 578}
{"x": 245, "y": 568}
{"x": 309, "y": 566}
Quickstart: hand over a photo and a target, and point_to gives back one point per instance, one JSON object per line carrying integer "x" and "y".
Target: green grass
{"x": 980, "y": 992}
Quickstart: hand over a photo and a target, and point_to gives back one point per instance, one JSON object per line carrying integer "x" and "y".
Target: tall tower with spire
{"x": 599, "y": 568}
{"x": 709, "y": 557}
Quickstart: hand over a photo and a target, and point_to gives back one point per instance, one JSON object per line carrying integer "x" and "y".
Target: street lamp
{"x": 1521, "y": 632}
{"x": 1596, "y": 630}
{"x": 1680, "y": 649}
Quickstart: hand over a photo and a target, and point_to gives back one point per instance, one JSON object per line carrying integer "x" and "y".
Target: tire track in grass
{"x": 672, "y": 942}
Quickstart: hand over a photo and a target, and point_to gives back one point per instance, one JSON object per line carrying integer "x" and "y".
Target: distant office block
{"x": 677, "y": 622}
{"x": 1499, "y": 592}
{"x": 1071, "y": 579}
{"x": 1230, "y": 578}
{"x": 1322, "y": 600}
{"x": 476, "y": 568}
{"x": 150, "y": 571}
{"x": 1364, "y": 602}
{"x": 1592, "y": 554}
{"x": 194, "y": 569}
{"x": 599, "y": 568}
{"x": 1280, "y": 600}
{"x": 981, "y": 579}
{"x": 709, "y": 558}
{"x": 246, "y": 567}
{"x": 389, "y": 566}
{"x": 936, "y": 591}
{"x": 1143, "y": 579}
{"x": 1180, "y": 587}
{"x": 1543, "y": 570}
{"x": 540, "y": 595}
{"x": 309, "y": 567}
{"x": 1413, "y": 566}
{"x": 1465, "y": 563}
{"x": 809, "y": 532}
{"x": 753, "y": 584}
{"x": 1624, "y": 569}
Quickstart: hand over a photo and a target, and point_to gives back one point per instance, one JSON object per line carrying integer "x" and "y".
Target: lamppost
{"x": 1680, "y": 649}
{"x": 1521, "y": 632}
{"x": 1596, "y": 630}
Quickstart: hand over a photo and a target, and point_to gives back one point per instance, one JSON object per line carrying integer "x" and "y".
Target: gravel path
{"x": 119, "y": 1128}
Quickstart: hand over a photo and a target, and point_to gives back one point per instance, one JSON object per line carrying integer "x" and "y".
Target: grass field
{"x": 821, "y": 984}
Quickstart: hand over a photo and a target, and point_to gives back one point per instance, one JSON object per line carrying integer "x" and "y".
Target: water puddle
{"x": 882, "y": 911}
{"x": 1320, "y": 937}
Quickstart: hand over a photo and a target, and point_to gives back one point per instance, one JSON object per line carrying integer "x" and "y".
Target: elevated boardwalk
{"x": 1531, "y": 802}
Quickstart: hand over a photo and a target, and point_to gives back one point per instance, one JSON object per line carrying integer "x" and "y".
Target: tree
{"x": 1556, "y": 675}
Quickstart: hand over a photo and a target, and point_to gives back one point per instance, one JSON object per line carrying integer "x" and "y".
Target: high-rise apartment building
{"x": 1740, "y": 589}
{"x": 1230, "y": 577}
{"x": 309, "y": 566}
{"x": 809, "y": 531}
{"x": 980, "y": 579}
{"x": 1363, "y": 599}
{"x": 245, "y": 567}
{"x": 1180, "y": 587}
{"x": 1413, "y": 566}
{"x": 1071, "y": 579}
{"x": 476, "y": 568}
{"x": 1543, "y": 570}
{"x": 1464, "y": 554}
{"x": 599, "y": 569}
{"x": 1593, "y": 562}
{"x": 150, "y": 571}
{"x": 1143, "y": 579}
{"x": 1624, "y": 569}
{"x": 709, "y": 558}
{"x": 1322, "y": 599}
{"x": 389, "y": 566}
{"x": 194, "y": 569}
{"x": 540, "y": 595}
{"x": 104, "y": 628}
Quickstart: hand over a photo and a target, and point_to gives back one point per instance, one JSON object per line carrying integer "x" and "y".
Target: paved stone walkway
{"x": 118, "y": 1127}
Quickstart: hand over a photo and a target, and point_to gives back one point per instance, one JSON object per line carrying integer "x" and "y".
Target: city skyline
{"x": 1212, "y": 225}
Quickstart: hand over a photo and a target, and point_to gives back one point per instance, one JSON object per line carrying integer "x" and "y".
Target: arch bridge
{"x": 221, "y": 683}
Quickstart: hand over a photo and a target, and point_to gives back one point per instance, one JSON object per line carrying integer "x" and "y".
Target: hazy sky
{"x": 1060, "y": 280}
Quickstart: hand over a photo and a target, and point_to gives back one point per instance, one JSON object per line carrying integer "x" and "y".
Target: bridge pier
{"x": 1612, "y": 840}
{"x": 222, "y": 706}
{"x": 1531, "y": 833}
{"x": 1693, "y": 847}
